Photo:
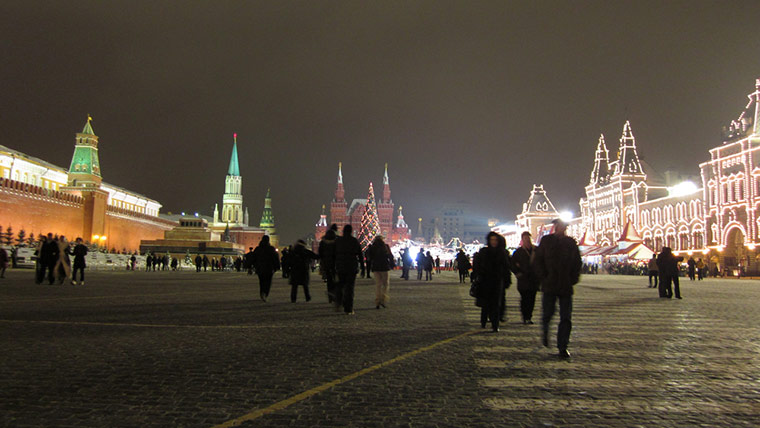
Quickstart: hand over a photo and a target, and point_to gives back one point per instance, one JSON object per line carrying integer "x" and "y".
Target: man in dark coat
{"x": 266, "y": 261}
{"x": 205, "y": 262}
{"x": 80, "y": 251}
{"x": 463, "y": 266}
{"x": 527, "y": 281}
{"x": 557, "y": 262}
{"x": 50, "y": 254}
{"x": 248, "y": 261}
{"x": 198, "y": 262}
{"x": 348, "y": 260}
{"x": 492, "y": 273}
{"x": 327, "y": 261}
{"x": 667, "y": 264}
{"x": 300, "y": 265}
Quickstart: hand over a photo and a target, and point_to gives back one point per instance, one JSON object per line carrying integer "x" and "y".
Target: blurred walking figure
{"x": 300, "y": 265}
{"x": 49, "y": 255}
{"x": 692, "y": 264}
{"x": 327, "y": 261}
{"x": 437, "y": 265}
{"x": 406, "y": 263}
{"x": 527, "y": 281}
{"x": 492, "y": 273}
{"x": 700, "y": 269}
{"x": 348, "y": 258}
{"x": 653, "y": 271}
{"x": 198, "y": 263}
{"x": 429, "y": 262}
{"x": 80, "y": 251}
{"x": 266, "y": 261}
{"x": 463, "y": 266}
{"x": 421, "y": 260}
{"x": 382, "y": 262}
{"x": 3, "y": 262}
{"x": 668, "y": 266}
{"x": 205, "y": 262}
{"x": 41, "y": 264}
{"x": 557, "y": 262}
{"x": 248, "y": 261}
{"x": 63, "y": 265}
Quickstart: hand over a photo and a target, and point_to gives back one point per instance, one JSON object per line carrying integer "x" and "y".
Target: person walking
{"x": 49, "y": 255}
{"x": 700, "y": 269}
{"x": 491, "y": 272}
{"x": 654, "y": 271}
{"x": 326, "y": 253}
{"x": 692, "y": 266}
{"x": 40, "y": 264}
{"x": 438, "y": 265}
{"x": 406, "y": 263}
{"x": 463, "y": 266}
{"x": 3, "y": 262}
{"x": 527, "y": 281}
{"x": 265, "y": 260}
{"x": 382, "y": 263}
{"x": 79, "y": 252}
{"x": 421, "y": 260}
{"x": 63, "y": 265}
{"x": 205, "y": 262}
{"x": 429, "y": 262}
{"x": 348, "y": 259}
{"x": 198, "y": 263}
{"x": 300, "y": 265}
{"x": 557, "y": 262}
{"x": 667, "y": 263}
{"x": 248, "y": 261}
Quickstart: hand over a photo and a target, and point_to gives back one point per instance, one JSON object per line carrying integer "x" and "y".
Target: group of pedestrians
{"x": 554, "y": 267}
{"x": 664, "y": 272}
{"x": 54, "y": 260}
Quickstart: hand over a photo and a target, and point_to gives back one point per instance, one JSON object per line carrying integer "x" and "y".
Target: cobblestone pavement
{"x": 136, "y": 349}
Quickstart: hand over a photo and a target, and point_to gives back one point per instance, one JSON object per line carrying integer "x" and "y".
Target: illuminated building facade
{"x": 342, "y": 213}
{"x": 719, "y": 221}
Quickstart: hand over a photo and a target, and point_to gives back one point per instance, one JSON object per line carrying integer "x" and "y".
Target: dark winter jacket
{"x": 381, "y": 258}
{"x": 348, "y": 255}
{"x": 526, "y": 277}
{"x": 463, "y": 262}
{"x": 557, "y": 263}
{"x": 667, "y": 263}
{"x": 49, "y": 252}
{"x": 79, "y": 252}
{"x": 492, "y": 271}
{"x": 265, "y": 259}
{"x": 327, "y": 252}
{"x": 300, "y": 265}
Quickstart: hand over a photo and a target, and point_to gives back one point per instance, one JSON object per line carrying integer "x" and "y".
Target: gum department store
{"x": 718, "y": 221}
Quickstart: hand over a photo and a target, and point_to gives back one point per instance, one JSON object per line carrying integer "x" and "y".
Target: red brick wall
{"x": 38, "y": 210}
{"x": 125, "y": 233}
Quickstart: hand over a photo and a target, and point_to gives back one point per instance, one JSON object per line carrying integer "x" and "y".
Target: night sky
{"x": 467, "y": 101}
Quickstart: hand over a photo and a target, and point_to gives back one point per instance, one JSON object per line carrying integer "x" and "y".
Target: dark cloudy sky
{"x": 467, "y": 100}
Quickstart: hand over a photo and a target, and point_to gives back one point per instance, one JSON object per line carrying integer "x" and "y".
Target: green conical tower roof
{"x": 87, "y": 127}
{"x": 85, "y": 163}
{"x": 267, "y": 218}
{"x": 234, "y": 168}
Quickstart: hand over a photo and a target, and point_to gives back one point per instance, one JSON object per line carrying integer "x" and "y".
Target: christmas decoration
{"x": 370, "y": 226}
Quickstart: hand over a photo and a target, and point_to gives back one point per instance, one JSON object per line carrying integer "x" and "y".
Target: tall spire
{"x": 628, "y": 160}
{"x": 340, "y": 193}
{"x": 386, "y": 187}
{"x": 234, "y": 168}
{"x": 400, "y": 223}
{"x": 322, "y": 218}
{"x": 600, "y": 173}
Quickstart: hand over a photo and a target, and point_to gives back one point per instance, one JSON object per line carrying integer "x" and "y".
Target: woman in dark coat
{"x": 492, "y": 273}
{"x": 527, "y": 280}
{"x": 300, "y": 259}
{"x": 265, "y": 261}
{"x": 463, "y": 266}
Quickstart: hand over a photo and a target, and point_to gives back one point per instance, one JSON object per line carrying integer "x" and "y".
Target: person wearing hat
{"x": 557, "y": 262}
{"x": 527, "y": 281}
